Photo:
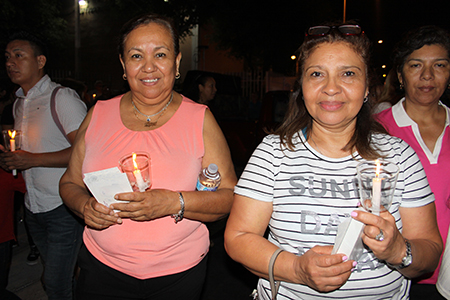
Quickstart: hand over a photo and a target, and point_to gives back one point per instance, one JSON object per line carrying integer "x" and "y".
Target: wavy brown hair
{"x": 297, "y": 117}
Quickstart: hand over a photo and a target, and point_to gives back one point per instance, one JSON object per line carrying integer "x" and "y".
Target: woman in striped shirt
{"x": 301, "y": 183}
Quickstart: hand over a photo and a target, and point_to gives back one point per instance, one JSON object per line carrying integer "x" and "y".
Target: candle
{"x": 376, "y": 190}
{"x": 137, "y": 174}
{"x": 12, "y": 146}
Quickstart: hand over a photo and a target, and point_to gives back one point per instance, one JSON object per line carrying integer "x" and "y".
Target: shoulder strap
{"x": 274, "y": 286}
{"x": 54, "y": 114}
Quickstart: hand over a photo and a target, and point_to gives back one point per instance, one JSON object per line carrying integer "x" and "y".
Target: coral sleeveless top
{"x": 158, "y": 247}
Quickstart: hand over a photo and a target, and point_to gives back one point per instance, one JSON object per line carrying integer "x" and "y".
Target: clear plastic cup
{"x": 377, "y": 181}
{"x": 138, "y": 170}
{"x": 12, "y": 139}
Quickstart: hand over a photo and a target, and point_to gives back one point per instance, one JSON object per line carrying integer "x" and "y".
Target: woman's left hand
{"x": 390, "y": 247}
{"x": 148, "y": 205}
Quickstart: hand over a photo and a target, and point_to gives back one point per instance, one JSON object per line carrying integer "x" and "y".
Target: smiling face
{"x": 334, "y": 85}
{"x": 426, "y": 74}
{"x": 149, "y": 63}
{"x": 23, "y": 66}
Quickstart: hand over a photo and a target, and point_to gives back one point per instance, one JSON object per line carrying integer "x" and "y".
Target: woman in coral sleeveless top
{"x": 154, "y": 246}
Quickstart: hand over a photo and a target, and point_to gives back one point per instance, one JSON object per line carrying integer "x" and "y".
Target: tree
{"x": 185, "y": 13}
{"x": 53, "y": 21}
{"x": 40, "y": 17}
{"x": 100, "y": 26}
{"x": 266, "y": 34}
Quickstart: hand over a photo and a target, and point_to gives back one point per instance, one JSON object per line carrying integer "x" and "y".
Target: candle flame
{"x": 134, "y": 161}
{"x": 12, "y": 134}
{"x": 377, "y": 171}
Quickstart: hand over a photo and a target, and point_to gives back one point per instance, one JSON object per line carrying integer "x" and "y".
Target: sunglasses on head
{"x": 343, "y": 29}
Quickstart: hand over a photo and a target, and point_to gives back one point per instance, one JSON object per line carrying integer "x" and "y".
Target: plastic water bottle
{"x": 209, "y": 179}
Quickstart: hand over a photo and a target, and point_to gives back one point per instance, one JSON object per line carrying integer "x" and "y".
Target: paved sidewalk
{"x": 226, "y": 279}
{"x": 25, "y": 280}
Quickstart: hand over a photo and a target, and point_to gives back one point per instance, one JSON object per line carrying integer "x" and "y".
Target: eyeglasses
{"x": 343, "y": 29}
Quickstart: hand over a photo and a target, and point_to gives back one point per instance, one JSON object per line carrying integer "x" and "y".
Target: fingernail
{"x": 119, "y": 220}
{"x": 354, "y": 264}
{"x": 344, "y": 258}
{"x": 354, "y": 214}
{"x": 358, "y": 204}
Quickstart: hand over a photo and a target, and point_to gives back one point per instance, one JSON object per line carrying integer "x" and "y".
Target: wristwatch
{"x": 407, "y": 260}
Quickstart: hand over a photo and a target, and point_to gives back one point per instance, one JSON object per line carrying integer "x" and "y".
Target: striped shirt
{"x": 312, "y": 194}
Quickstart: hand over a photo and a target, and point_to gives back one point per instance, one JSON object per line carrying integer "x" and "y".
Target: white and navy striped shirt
{"x": 312, "y": 194}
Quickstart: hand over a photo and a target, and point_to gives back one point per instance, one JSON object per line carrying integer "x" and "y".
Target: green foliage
{"x": 39, "y": 17}
{"x": 44, "y": 18}
{"x": 265, "y": 34}
{"x": 185, "y": 13}
{"x": 262, "y": 33}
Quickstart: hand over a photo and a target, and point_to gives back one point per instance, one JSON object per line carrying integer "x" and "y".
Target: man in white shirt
{"x": 43, "y": 158}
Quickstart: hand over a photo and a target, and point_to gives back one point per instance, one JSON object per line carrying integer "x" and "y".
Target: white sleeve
{"x": 417, "y": 191}
{"x": 70, "y": 109}
{"x": 257, "y": 180}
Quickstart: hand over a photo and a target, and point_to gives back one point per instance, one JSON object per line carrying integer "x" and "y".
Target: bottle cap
{"x": 213, "y": 168}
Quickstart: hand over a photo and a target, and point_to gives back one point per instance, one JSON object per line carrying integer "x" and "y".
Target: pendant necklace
{"x": 149, "y": 122}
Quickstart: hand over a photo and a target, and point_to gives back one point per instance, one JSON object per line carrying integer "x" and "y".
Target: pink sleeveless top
{"x": 158, "y": 247}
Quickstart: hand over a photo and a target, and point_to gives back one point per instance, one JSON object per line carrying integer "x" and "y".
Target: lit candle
{"x": 376, "y": 190}
{"x": 12, "y": 146}
{"x": 137, "y": 174}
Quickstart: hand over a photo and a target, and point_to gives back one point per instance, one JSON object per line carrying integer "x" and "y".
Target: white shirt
{"x": 32, "y": 115}
{"x": 403, "y": 120}
{"x": 312, "y": 194}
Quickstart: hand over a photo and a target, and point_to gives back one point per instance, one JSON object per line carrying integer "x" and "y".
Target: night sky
{"x": 278, "y": 25}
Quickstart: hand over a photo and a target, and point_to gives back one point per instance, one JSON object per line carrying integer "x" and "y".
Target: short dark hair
{"x": 416, "y": 39}
{"x": 297, "y": 117}
{"x": 193, "y": 91}
{"x": 38, "y": 46}
{"x": 145, "y": 20}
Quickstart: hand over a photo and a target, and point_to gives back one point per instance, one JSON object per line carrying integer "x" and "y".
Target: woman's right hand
{"x": 323, "y": 271}
{"x": 98, "y": 216}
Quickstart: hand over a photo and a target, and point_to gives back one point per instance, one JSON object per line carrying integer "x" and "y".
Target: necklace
{"x": 149, "y": 122}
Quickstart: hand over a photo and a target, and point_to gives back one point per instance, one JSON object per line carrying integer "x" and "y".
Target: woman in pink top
{"x": 154, "y": 246}
{"x": 422, "y": 61}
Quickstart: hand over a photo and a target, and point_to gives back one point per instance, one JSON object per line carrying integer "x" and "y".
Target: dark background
{"x": 262, "y": 33}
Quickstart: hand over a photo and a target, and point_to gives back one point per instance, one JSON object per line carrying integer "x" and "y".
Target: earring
{"x": 178, "y": 75}
{"x": 124, "y": 77}
{"x": 401, "y": 86}
{"x": 366, "y": 99}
